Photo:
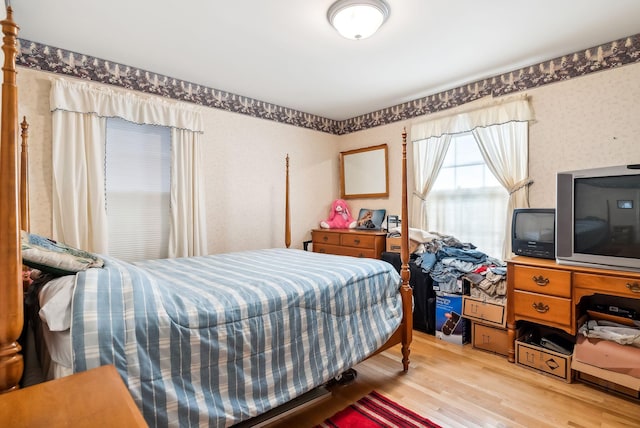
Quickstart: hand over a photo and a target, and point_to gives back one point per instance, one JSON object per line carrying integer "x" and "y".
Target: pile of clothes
{"x": 448, "y": 260}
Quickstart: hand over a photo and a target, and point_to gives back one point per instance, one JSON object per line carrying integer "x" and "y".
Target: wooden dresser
{"x": 349, "y": 242}
{"x": 547, "y": 293}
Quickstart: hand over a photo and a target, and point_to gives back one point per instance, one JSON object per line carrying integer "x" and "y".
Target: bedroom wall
{"x": 245, "y": 173}
{"x": 585, "y": 122}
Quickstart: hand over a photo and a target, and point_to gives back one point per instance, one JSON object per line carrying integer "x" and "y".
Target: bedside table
{"x": 97, "y": 397}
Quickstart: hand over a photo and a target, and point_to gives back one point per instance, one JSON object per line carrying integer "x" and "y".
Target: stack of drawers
{"x": 543, "y": 296}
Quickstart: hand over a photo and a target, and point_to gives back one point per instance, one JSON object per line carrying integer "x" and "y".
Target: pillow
{"x": 55, "y": 302}
{"x": 55, "y": 257}
{"x": 370, "y": 219}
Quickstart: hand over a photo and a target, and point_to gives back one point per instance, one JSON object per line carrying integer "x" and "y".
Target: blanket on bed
{"x": 214, "y": 340}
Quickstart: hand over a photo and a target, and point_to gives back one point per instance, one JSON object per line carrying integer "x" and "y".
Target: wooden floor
{"x": 458, "y": 386}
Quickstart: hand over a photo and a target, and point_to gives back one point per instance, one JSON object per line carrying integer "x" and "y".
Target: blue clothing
{"x": 426, "y": 261}
{"x": 467, "y": 255}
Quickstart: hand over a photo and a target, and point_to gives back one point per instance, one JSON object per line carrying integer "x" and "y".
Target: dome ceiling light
{"x": 358, "y": 19}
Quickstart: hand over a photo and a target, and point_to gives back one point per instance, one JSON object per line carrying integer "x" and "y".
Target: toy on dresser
{"x": 340, "y": 217}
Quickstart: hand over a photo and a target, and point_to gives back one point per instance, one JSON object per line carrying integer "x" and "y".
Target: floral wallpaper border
{"x": 46, "y": 58}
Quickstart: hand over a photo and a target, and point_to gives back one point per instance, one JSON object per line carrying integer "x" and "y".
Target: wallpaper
{"x": 47, "y": 58}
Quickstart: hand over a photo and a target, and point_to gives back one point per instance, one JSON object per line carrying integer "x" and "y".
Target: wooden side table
{"x": 97, "y": 397}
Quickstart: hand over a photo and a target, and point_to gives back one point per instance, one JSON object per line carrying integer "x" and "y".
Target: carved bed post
{"x": 11, "y": 310}
{"x": 405, "y": 288}
{"x": 25, "y": 218}
{"x": 287, "y": 216}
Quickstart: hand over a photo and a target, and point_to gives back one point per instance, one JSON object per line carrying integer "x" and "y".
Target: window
{"x": 137, "y": 182}
{"x": 466, "y": 200}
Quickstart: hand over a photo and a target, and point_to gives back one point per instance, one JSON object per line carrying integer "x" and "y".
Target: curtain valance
{"x": 83, "y": 97}
{"x": 509, "y": 110}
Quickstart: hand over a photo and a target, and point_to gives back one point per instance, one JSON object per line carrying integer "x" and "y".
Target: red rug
{"x": 374, "y": 411}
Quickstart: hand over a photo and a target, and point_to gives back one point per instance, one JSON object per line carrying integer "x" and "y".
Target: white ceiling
{"x": 285, "y": 52}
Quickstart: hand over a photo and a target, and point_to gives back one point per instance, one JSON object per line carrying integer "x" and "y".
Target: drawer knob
{"x": 634, "y": 288}
{"x": 356, "y": 241}
{"x": 540, "y": 307}
{"x": 540, "y": 280}
{"x": 325, "y": 238}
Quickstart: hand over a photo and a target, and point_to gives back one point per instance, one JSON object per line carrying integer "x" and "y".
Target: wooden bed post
{"x": 287, "y": 216}
{"x": 11, "y": 310}
{"x": 405, "y": 289}
{"x": 25, "y": 218}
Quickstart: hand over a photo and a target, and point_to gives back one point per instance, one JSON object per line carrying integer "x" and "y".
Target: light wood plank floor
{"x": 458, "y": 386}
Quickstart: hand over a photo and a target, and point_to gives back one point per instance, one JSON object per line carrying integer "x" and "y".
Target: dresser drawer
{"x": 486, "y": 312}
{"x": 620, "y": 286}
{"x": 547, "y": 309}
{"x": 325, "y": 238}
{"x": 344, "y": 251}
{"x": 490, "y": 338}
{"x": 359, "y": 241}
{"x": 540, "y": 280}
{"x": 546, "y": 361}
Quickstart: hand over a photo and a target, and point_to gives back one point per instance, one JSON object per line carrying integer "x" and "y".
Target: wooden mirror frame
{"x": 350, "y": 166}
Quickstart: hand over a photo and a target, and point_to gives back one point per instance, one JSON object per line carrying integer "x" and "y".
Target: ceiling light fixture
{"x": 358, "y": 19}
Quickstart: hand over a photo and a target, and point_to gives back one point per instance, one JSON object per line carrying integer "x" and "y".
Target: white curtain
{"x": 505, "y": 150}
{"x": 188, "y": 217}
{"x": 428, "y": 156}
{"x": 505, "y": 147}
{"x": 78, "y": 147}
{"x": 79, "y": 211}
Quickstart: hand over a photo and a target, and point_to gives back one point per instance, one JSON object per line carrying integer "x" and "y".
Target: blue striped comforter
{"x": 214, "y": 340}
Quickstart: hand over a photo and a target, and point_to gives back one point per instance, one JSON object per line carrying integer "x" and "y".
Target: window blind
{"x": 137, "y": 182}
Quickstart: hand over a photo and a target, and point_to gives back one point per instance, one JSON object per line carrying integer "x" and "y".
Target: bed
{"x": 211, "y": 340}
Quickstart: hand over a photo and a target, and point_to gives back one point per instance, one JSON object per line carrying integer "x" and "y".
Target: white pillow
{"x": 55, "y": 302}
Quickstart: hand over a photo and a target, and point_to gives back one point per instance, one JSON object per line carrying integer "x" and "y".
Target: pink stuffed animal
{"x": 340, "y": 217}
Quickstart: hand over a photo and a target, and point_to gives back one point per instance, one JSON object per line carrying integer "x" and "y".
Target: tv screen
{"x": 606, "y": 216}
{"x": 534, "y": 226}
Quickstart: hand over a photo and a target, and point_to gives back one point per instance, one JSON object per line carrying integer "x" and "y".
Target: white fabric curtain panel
{"x": 84, "y": 99}
{"x": 79, "y": 211}
{"x": 505, "y": 150}
{"x": 428, "y": 156}
{"x": 188, "y": 229}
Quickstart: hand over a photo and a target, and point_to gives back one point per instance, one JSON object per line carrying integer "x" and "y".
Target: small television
{"x": 598, "y": 217}
{"x": 533, "y": 232}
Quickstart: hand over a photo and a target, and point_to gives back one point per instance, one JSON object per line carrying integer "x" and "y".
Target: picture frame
{"x": 369, "y": 219}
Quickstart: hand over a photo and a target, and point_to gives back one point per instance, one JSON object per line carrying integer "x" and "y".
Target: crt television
{"x": 533, "y": 232}
{"x": 598, "y": 217}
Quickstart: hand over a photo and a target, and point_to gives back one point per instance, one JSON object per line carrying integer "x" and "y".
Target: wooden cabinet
{"x": 349, "y": 242}
{"x": 547, "y": 293}
{"x": 97, "y": 397}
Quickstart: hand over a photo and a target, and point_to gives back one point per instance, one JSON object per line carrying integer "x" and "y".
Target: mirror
{"x": 364, "y": 173}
